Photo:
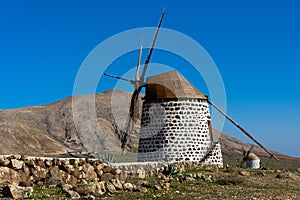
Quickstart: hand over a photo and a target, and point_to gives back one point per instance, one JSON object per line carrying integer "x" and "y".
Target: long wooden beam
{"x": 243, "y": 130}
{"x": 151, "y": 49}
{"x": 140, "y": 84}
{"x": 117, "y": 77}
{"x": 138, "y": 67}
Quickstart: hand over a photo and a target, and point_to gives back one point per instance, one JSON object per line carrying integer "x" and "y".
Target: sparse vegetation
{"x": 111, "y": 158}
{"x": 229, "y": 183}
{"x": 195, "y": 170}
{"x": 232, "y": 179}
{"x": 171, "y": 171}
{"x": 191, "y": 171}
{"x": 102, "y": 141}
{"x": 225, "y": 185}
{"x": 48, "y": 192}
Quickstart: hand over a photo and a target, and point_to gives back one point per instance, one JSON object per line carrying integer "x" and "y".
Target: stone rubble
{"x": 85, "y": 178}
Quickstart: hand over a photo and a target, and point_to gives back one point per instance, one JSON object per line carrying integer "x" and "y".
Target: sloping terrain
{"x": 50, "y": 129}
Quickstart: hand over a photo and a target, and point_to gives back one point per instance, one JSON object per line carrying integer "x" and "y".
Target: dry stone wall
{"x": 78, "y": 177}
{"x": 175, "y": 130}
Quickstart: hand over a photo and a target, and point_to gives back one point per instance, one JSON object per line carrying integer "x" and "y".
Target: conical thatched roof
{"x": 171, "y": 85}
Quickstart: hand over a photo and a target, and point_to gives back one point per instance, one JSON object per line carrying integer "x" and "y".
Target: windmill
{"x": 252, "y": 161}
{"x": 179, "y": 127}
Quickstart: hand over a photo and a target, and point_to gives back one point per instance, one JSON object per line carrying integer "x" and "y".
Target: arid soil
{"x": 230, "y": 183}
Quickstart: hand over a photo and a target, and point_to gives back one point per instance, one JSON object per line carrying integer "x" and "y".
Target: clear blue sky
{"x": 255, "y": 44}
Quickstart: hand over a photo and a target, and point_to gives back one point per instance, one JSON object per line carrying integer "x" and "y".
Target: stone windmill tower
{"x": 175, "y": 121}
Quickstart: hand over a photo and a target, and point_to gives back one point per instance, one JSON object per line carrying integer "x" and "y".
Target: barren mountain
{"x": 69, "y": 125}
{"x": 50, "y": 129}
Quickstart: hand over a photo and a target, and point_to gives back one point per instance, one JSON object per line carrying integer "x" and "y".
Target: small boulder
{"x": 38, "y": 173}
{"x": 55, "y": 177}
{"x": 72, "y": 194}
{"x": 99, "y": 173}
{"x": 30, "y": 162}
{"x": 86, "y": 189}
{"x": 128, "y": 186}
{"x": 110, "y": 187}
{"x": 116, "y": 171}
{"x": 17, "y": 164}
{"x": 17, "y": 192}
{"x": 123, "y": 176}
{"x": 167, "y": 186}
{"x": 89, "y": 197}
{"x": 107, "y": 169}
{"x": 67, "y": 187}
{"x": 141, "y": 173}
{"x": 9, "y": 176}
{"x": 117, "y": 183}
{"x": 244, "y": 173}
{"x": 100, "y": 188}
{"x": 4, "y": 161}
{"x": 107, "y": 177}
{"x": 99, "y": 167}
{"x": 143, "y": 183}
{"x": 25, "y": 179}
{"x": 199, "y": 175}
{"x": 40, "y": 183}
{"x": 70, "y": 179}
{"x": 86, "y": 166}
{"x": 189, "y": 178}
{"x": 165, "y": 178}
{"x": 142, "y": 189}
{"x": 207, "y": 178}
{"x": 90, "y": 174}
{"x": 157, "y": 187}
{"x": 75, "y": 171}
{"x": 81, "y": 162}
{"x": 48, "y": 162}
{"x": 65, "y": 162}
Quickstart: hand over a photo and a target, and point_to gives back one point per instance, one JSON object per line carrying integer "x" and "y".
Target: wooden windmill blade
{"x": 244, "y": 158}
{"x": 138, "y": 67}
{"x": 121, "y": 78}
{"x": 152, "y": 47}
{"x": 139, "y": 83}
{"x": 249, "y": 151}
{"x": 133, "y": 102}
{"x": 246, "y": 155}
{"x": 243, "y": 130}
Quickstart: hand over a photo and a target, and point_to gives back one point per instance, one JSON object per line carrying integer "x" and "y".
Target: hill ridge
{"x": 49, "y": 129}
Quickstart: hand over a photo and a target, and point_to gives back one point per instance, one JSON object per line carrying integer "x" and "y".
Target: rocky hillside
{"x": 50, "y": 129}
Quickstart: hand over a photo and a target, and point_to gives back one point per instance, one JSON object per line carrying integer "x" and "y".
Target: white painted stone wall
{"x": 174, "y": 130}
{"x": 215, "y": 156}
{"x": 253, "y": 164}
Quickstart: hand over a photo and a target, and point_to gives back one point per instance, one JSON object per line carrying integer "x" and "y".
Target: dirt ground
{"x": 230, "y": 183}
{"x": 252, "y": 184}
